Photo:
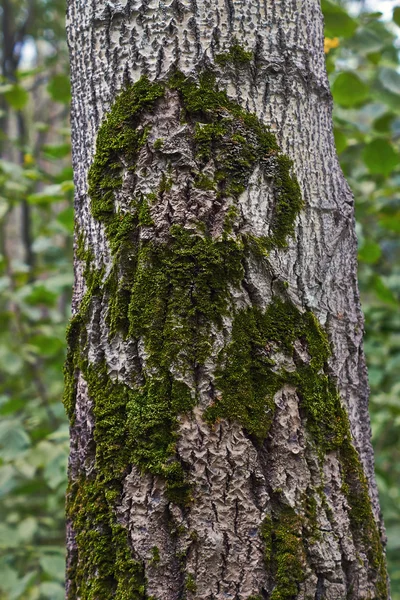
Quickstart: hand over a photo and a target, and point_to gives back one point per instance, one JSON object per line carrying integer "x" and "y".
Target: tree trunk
{"x": 215, "y": 380}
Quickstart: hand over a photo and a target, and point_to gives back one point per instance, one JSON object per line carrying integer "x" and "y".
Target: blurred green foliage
{"x": 36, "y": 224}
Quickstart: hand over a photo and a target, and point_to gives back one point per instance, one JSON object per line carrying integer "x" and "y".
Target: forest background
{"x": 36, "y": 273}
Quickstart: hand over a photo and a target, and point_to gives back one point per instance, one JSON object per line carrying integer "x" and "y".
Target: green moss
{"x": 231, "y": 218}
{"x": 194, "y": 536}
{"x": 172, "y": 296}
{"x": 236, "y": 56}
{"x": 166, "y": 183}
{"x": 202, "y": 182}
{"x": 237, "y": 141}
{"x": 119, "y": 135}
{"x": 144, "y": 215}
{"x": 71, "y": 365}
{"x": 158, "y": 144}
{"x": 362, "y": 520}
{"x": 103, "y": 547}
{"x": 190, "y": 583}
{"x": 155, "y": 555}
{"x": 181, "y": 291}
{"x": 139, "y": 426}
{"x": 245, "y": 379}
{"x": 246, "y": 383}
{"x": 266, "y": 531}
{"x": 287, "y": 534}
{"x": 132, "y": 426}
{"x": 311, "y": 515}
{"x": 288, "y": 205}
{"x": 285, "y": 554}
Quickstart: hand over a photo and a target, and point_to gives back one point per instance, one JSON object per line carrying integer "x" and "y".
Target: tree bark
{"x": 215, "y": 379}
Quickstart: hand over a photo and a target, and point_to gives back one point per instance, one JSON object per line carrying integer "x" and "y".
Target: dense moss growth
{"x": 245, "y": 380}
{"x": 190, "y": 584}
{"x": 247, "y": 384}
{"x": 246, "y": 377}
{"x": 237, "y": 142}
{"x": 172, "y": 297}
{"x": 132, "y": 426}
{"x": 120, "y": 136}
{"x": 182, "y": 290}
{"x": 236, "y": 56}
{"x": 104, "y": 567}
{"x": 285, "y": 554}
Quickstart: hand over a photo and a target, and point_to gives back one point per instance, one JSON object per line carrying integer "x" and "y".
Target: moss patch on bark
{"x": 104, "y": 567}
{"x": 236, "y": 56}
{"x": 171, "y": 296}
{"x": 247, "y": 382}
{"x": 285, "y": 555}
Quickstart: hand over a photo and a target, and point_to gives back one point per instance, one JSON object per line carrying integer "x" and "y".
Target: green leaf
{"x": 366, "y": 41}
{"x": 390, "y": 222}
{"x": 46, "y": 345}
{"x": 66, "y": 218}
{"x": 51, "y": 193}
{"x": 396, "y": 15}
{"x": 348, "y": 90}
{"x": 4, "y": 207}
{"x": 383, "y": 124}
{"x": 27, "y": 529}
{"x": 40, "y": 294}
{"x": 61, "y": 282}
{"x": 6, "y": 87}
{"x": 383, "y": 292}
{"x": 40, "y": 126}
{"x": 52, "y": 591}
{"x": 338, "y": 22}
{"x": 22, "y": 585}
{"x": 67, "y": 186}
{"x": 62, "y": 434}
{"x": 340, "y": 140}
{"x": 8, "y": 538}
{"x": 383, "y": 96}
{"x": 380, "y": 157}
{"x": 9, "y": 577}
{"x": 390, "y": 79}
{"x": 57, "y": 150}
{"x": 66, "y": 174}
{"x": 56, "y": 470}
{"x": 370, "y": 252}
{"x": 53, "y": 565}
{"x": 17, "y": 97}
{"x": 7, "y": 479}
{"x": 10, "y": 362}
{"x": 12, "y": 406}
{"x": 13, "y": 169}
{"x": 59, "y": 88}
{"x": 13, "y": 439}
{"x": 394, "y": 533}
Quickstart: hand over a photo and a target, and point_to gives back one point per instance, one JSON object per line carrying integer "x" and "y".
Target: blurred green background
{"x": 36, "y": 225}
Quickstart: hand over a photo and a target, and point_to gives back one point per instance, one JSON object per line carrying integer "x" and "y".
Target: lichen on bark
{"x": 171, "y": 286}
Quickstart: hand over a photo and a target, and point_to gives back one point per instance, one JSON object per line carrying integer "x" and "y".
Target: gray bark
{"x": 212, "y": 548}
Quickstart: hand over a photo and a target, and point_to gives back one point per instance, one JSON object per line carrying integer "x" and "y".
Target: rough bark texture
{"x": 215, "y": 381}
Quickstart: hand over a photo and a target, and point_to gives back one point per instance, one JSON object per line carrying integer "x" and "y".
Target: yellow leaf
{"x": 330, "y": 44}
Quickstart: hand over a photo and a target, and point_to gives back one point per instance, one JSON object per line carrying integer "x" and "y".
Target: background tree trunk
{"x": 215, "y": 381}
